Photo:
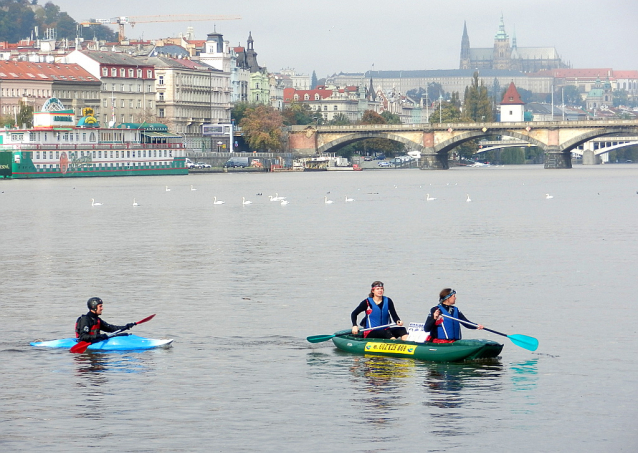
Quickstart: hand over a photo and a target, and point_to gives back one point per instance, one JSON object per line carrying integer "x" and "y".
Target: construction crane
{"x": 132, "y": 20}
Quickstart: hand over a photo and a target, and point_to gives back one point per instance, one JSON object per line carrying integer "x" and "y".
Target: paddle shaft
{"x": 82, "y": 345}
{"x": 321, "y": 338}
{"x": 523, "y": 341}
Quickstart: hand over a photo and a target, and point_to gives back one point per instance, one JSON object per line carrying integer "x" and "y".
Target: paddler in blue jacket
{"x": 88, "y": 326}
{"x": 442, "y": 329}
{"x": 379, "y": 312}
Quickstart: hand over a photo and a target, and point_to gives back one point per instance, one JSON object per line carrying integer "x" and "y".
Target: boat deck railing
{"x": 102, "y": 146}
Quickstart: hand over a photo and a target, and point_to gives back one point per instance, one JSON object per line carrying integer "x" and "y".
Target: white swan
{"x": 244, "y": 201}
{"x": 192, "y": 188}
{"x": 167, "y": 189}
{"x": 429, "y": 198}
{"x": 93, "y": 203}
{"x": 276, "y": 197}
{"x": 217, "y": 202}
{"x": 548, "y": 196}
{"x": 349, "y": 199}
{"x": 284, "y": 202}
{"x": 326, "y": 201}
{"x": 135, "y": 202}
{"x": 468, "y": 198}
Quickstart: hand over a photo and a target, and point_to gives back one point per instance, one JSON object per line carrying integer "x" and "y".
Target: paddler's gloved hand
{"x": 129, "y": 325}
{"x": 101, "y": 337}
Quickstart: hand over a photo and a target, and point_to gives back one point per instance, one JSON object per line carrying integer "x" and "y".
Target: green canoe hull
{"x": 431, "y": 352}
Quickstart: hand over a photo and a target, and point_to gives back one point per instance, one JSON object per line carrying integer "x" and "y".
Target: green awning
{"x": 160, "y": 135}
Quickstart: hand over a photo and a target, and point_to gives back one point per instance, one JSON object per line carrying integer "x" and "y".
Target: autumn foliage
{"x": 262, "y": 127}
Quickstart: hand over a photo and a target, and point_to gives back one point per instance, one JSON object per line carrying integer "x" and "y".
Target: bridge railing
{"x": 467, "y": 126}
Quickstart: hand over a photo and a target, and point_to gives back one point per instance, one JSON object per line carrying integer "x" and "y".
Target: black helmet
{"x": 93, "y": 302}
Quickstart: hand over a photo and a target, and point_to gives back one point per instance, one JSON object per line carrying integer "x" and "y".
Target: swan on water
{"x": 429, "y": 198}
{"x": 244, "y": 201}
{"x": 284, "y": 202}
{"x": 93, "y": 203}
{"x": 276, "y": 197}
{"x": 217, "y": 202}
{"x": 192, "y": 188}
{"x": 167, "y": 189}
{"x": 326, "y": 201}
{"x": 349, "y": 199}
{"x": 135, "y": 202}
{"x": 468, "y": 198}
{"x": 548, "y": 196}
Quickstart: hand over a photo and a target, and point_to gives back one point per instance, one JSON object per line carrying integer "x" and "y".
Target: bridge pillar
{"x": 433, "y": 161}
{"x": 589, "y": 158}
{"x": 555, "y": 158}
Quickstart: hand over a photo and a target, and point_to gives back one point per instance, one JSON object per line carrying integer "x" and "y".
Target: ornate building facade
{"x": 506, "y": 55}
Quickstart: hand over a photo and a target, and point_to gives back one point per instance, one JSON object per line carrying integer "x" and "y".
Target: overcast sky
{"x": 332, "y": 36}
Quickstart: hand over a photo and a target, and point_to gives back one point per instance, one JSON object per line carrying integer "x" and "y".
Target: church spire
{"x": 465, "y": 49}
{"x": 501, "y": 35}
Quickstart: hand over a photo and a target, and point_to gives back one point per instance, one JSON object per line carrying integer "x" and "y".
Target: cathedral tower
{"x": 502, "y": 53}
{"x": 465, "y": 49}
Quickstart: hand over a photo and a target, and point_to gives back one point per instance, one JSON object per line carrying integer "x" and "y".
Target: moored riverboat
{"x": 432, "y": 352}
{"x": 57, "y": 148}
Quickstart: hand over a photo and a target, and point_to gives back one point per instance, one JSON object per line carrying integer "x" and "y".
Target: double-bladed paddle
{"x": 80, "y": 347}
{"x": 524, "y": 341}
{"x": 320, "y": 338}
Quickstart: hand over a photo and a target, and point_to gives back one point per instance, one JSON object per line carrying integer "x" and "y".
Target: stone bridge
{"x": 435, "y": 141}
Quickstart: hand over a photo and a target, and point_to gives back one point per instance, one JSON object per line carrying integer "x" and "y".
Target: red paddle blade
{"x": 80, "y": 347}
{"x": 146, "y": 319}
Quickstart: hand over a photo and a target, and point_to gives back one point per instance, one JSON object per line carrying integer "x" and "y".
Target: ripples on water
{"x": 240, "y": 287}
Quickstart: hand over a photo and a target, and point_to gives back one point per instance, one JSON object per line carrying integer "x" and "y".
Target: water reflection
{"x": 450, "y": 386}
{"x": 95, "y": 366}
{"x": 377, "y": 381}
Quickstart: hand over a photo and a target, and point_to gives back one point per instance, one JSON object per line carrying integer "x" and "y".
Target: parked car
{"x": 202, "y": 165}
{"x": 367, "y": 158}
{"x": 384, "y": 163}
{"x": 380, "y": 157}
{"x": 237, "y": 162}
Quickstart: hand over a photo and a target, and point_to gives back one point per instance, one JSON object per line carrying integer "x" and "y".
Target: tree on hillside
{"x": 300, "y": 113}
{"x": 239, "y": 111}
{"x": 340, "y": 119}
{"x": 477, "y": 105}
{"x": 391, "y": 118}
{"x": 261, "y": 126}
{"x": 572, "y": 96}
{"x": 447, "y": 111}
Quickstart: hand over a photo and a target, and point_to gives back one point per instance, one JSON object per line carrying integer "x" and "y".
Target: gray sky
{"x": 351, "y": 35}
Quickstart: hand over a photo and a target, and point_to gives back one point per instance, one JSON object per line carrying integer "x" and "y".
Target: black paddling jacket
{"x": 88, "y": 327}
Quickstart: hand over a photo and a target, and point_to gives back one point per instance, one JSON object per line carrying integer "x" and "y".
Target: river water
{"x": 240, "y": 287}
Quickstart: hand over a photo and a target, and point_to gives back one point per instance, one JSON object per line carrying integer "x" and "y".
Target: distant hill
{"x": 19, "y": 19}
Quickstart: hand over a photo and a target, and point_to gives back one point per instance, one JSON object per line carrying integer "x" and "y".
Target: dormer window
{"x": 306, "y": 97}
{"x": 316, "y": 97}
{"x": 296, "y": 97}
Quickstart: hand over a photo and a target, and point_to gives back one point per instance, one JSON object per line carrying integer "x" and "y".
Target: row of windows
{"x": 121, "y": 86}
{"x": 161, "y": 153}
{"x": 123, "y": 73}
{"x": 111, "y": 165}
{"x": 131, "y": 103}
{"x": 39, "y": 93}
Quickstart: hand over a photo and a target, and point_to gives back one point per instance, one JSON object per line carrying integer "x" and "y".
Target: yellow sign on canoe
{"x": 390, "y": 348}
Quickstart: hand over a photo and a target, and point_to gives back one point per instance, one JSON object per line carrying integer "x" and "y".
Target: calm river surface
{"x": 239, "y": 288}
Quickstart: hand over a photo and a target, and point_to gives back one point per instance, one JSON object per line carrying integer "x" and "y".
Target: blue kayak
{"x": 117, "y": 343}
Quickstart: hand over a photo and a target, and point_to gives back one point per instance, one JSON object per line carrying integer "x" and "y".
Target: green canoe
{"x": 433, "y": 352}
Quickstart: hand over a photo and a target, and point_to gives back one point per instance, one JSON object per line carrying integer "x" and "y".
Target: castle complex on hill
{"x": 508, "y": 56}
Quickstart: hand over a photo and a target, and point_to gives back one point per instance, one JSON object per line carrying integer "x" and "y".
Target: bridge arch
{"x": 594, "y": 133}
{"x": 345, "y": 140}
{"x": 448, "y": 145}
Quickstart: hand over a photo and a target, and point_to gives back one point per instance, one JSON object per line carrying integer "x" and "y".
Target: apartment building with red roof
{"x": 34, "y": 83}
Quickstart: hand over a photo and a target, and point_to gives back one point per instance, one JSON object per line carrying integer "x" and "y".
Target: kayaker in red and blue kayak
{"x": 442, "y": 329}
{"x": 379, "y": 311}
{"x": 89, "y": 326}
